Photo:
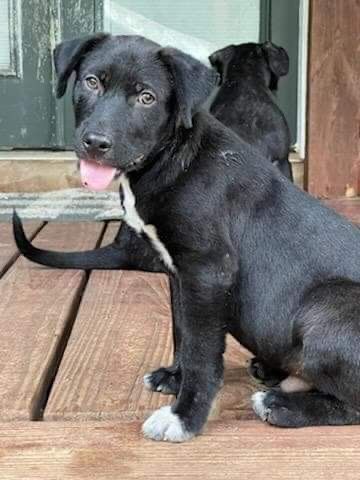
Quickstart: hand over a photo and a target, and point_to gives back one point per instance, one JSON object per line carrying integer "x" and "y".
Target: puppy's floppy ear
{"x": 278, "y": 62}
{"x": 220, "y": 59}
{"x": 68, "y": 54}
{"x": 193, "y": 82}
{"x": 277, "y": 58}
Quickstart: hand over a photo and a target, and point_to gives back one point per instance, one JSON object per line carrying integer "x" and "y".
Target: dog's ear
{"x": 278, "y": 62}
{"x": 192, "y": 80}
{"x": 277, "y": 59}
{"x": 67, "y": 56}
{"x": 220, "y": 59}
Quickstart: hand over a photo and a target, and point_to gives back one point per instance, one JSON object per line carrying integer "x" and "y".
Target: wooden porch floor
{"x": 74, "y": 347}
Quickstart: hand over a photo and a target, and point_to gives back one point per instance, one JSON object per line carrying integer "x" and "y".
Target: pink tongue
{"x": 95, "y": 176}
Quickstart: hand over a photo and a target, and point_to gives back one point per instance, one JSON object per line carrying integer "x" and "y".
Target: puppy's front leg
{"x": 203, "y": 331}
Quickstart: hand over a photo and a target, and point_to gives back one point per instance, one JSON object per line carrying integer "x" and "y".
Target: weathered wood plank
{"x": 124, "y": 321}
{"x": 8, "y": 250}
{"x": 227, "y": 450}
{"x": 333, "y": 143}
{"x": 122, "y": 331}
{"x": 36, "y": 310}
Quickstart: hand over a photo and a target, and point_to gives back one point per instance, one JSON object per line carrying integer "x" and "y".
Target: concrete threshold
{"x": 73, "y": 204}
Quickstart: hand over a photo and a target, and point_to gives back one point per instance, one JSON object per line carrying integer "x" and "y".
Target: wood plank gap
{"x": 45, "y": 389}
{"x": 16, "y": 254}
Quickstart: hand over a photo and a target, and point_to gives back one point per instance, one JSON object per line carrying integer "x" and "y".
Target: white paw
{"x": 163, "y": 424}
{"x": 160, "y": 388}
{"x": 149, "y": 385}
{"x": 147, "y": 381}
{"x": 258, "y": 405}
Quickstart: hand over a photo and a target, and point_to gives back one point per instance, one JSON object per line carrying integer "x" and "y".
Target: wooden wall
{"x": 333, "y": 143}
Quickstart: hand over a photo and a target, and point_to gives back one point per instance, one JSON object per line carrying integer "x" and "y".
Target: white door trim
{"x": 302, "y": 77}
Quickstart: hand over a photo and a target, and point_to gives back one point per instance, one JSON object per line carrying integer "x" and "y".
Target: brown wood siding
{"x": 333, "y": 143}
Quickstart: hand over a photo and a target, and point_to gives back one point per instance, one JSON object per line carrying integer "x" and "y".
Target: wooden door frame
{"x": 332, "y": 166}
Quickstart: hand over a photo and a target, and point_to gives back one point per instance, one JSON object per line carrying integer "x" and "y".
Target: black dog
{"x": 247, "y": 251}
{"x": 245, "y": 101}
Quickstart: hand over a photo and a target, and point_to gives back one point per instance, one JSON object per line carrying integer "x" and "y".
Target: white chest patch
{"x": 133, "y": 219}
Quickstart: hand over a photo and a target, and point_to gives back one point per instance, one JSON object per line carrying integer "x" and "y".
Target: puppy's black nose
{"x": 97, "y": 143}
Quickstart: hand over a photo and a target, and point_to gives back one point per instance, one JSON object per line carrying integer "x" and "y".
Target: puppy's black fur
{"x": 245, "y": 101}
{"x": 254, "y": 255}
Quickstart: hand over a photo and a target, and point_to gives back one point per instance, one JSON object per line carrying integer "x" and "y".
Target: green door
{"x": 30, "y": 116}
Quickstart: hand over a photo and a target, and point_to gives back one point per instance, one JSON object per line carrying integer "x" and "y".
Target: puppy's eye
{"x": 146, "y": 98}
{"x": 92, "y": 82}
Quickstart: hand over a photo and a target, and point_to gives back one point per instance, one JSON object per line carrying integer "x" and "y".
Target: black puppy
{"x": 245, "y": 101}
{"x": 247, "y": 251}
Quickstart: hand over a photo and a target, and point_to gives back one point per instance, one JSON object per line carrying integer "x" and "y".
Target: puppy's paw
{"x": 164, "y": 380}
{"x": 279, "y": 408}
{"x": 259, "y": 406}
{"x": 165, "y": 425}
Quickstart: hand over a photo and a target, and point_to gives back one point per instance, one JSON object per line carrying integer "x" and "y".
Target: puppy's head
{"x": 129, "y": 94}
{"x": 266, "y": 59}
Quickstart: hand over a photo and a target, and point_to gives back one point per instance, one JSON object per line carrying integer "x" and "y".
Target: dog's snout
{"x": 95, "y": 142}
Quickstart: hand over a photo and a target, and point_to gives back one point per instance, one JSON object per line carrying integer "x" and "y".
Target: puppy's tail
{"x": 107, "y": 258}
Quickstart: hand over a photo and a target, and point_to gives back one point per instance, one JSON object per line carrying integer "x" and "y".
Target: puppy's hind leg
{"x": 303, "y": 409}
{"x": 326, "y": 337}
